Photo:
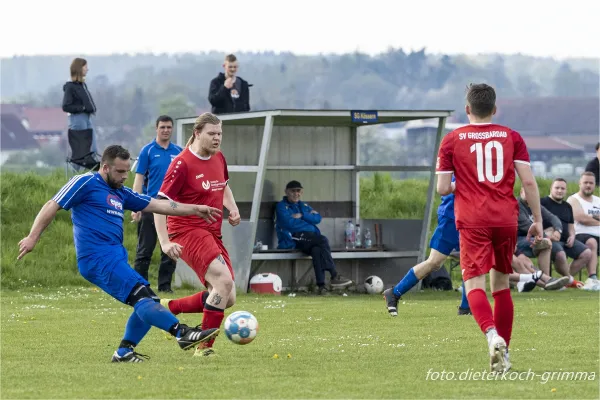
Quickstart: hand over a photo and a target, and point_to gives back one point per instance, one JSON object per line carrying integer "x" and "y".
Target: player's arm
{"x": 173, "y": 250}
{"x": 230, "y": 204}
{"x": 41, "y": 222}
{"x": 580, "y": 216}
{"x": 533, "y": 198}
{"x": 445, "y": 186}
{"x": 138, "y": 182}
{"x": 170, "y": 207}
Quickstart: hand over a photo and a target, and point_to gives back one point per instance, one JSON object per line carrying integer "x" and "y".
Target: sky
{"x": 92, "y": 27}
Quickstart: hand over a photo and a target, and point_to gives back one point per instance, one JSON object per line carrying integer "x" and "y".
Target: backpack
{"x": 438, "y": 280}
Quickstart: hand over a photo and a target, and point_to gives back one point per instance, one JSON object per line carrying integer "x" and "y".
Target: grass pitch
{"x": 57, "y": 343}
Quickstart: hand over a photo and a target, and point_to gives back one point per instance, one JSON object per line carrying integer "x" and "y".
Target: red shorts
{"x": 200, "y": 248}
{"x": 482, "y": 249}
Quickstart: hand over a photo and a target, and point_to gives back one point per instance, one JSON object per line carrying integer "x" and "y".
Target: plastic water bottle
{"x": 349, "y": 235}
{"x": 368, "y": 241}
{"x": 358, "y": 237}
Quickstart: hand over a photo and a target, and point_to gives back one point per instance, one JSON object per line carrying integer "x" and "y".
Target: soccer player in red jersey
{"x": 483, "y": 156}
{"x": 199, "y": 175}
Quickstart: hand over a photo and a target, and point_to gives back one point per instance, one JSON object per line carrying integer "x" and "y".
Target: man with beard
{"x": 98, "y": 201}
{"x": 586, "y": 212}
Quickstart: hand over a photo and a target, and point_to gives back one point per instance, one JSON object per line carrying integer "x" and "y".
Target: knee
{"x": 591, "y": 244}
{"x": 586, "y": 255}
{"x": 141, "y": 292}
{"x": 560, "y": 256}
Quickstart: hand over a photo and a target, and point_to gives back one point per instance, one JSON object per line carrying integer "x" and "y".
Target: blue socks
{"x": 152, "y": 313}
{"x": 464, "y": 302}
{"x": 135, "y": 330}
{"x": 409, "y": 280}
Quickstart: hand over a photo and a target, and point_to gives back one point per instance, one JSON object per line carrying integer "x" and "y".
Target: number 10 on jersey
{"x": 485, "y": 161}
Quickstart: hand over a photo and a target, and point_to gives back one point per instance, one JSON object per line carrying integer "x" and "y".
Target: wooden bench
{"x": 336, "y": 253}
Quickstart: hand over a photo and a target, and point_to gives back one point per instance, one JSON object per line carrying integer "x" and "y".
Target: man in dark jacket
{"x": 296, "y": 225}
{"x": 594, "y": 165}
{"x": 228, "y": 92}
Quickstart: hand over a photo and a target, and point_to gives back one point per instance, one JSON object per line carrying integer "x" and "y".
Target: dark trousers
{"x": 147, "y": 238}
{"x": 316, "y": 246}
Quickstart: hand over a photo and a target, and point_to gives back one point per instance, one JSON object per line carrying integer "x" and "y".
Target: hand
{"x": 536, "y": 232}
{"x": 173, "y": 250}
{"x": 209, "y": 214}
{"x": 229, "y": 82}
{"x": 570, "y": 241}
{"x": 297, "y": 215}
{"x": 234, "y": 218}
{"x": 26, "y": 245}
{"x": 555, "y": 237}
{"x": 136, "y": 216}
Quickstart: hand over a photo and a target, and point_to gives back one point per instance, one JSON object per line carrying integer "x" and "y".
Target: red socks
{"x": 190, "y": 304}
{"x": 212, "y": 318}
{"x": 503, "y": 313}
{"x": 481, "y": 309}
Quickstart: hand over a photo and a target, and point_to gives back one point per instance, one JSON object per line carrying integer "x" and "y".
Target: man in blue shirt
{"x": 153, "y": 162}
{"x": 98, "y": 201}
{"x": 296, "y": 224}
{"x": 443, "y": 242}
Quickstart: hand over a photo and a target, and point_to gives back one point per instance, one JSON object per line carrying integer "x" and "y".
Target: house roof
{"x": 45, "y": 119}
{"x": 547, "y": 143}
{"x": 14, "y": 136}
{"x": 550, "y": 115}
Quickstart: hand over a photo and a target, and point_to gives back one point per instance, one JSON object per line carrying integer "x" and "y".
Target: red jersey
{"x": 191, "y": 179}
{"x": 482, "y": 158}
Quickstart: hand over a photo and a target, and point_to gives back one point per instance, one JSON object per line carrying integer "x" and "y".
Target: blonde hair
{"x": 76, "y": 69}
{"x": 201, "y": 121}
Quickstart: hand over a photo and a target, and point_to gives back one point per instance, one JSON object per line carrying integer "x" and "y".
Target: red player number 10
{"x": 484, "y": 161}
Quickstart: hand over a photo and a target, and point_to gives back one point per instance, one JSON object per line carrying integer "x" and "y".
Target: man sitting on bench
{"x": 296, "y": 225}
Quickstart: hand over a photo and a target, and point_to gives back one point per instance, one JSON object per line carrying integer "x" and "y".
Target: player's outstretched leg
{"x": 190, "y": 304}
{"x": 135, "y": 330}
{"x": 222, "y": 296}
{"x": 149, "y": 310}
{"x": 414, "y": 275}
{"x": 464, "y": 309}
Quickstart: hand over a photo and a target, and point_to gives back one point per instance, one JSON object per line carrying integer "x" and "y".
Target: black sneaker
{"x": 191, "y": 337}
{"x": 132, "y": 356}
{"x": 339, "y": 282}
{"x": 323, "y": 291}
{"x": 464, "y": 311}
{"x": 391, "y": 301}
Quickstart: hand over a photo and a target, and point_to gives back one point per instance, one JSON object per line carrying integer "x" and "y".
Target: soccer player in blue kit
{"x": 97, "y": 201}
{"x": 443, "y": 241}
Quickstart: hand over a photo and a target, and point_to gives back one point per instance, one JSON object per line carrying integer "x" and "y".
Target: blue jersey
{"x": 446, "y": 208}
{"x": 153, "y": 163}
{"x": 97, "y": 212}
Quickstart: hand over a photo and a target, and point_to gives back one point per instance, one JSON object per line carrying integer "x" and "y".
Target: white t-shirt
{"x": 589, "y": 208}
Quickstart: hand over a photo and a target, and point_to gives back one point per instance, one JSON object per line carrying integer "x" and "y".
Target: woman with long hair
{"x": 78, "y": 101}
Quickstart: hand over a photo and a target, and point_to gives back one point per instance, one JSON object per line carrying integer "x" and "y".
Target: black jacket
{"x": 220, "y": 97}
{"x": 594, "y": 166}
{"x": 77, "y": 99}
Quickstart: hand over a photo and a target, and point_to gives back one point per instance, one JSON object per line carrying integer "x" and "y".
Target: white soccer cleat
{"x": 592, "y": 284}
{"x": 499, "y": 362}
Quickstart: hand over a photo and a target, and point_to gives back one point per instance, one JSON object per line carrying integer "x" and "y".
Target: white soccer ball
{"x": 241, "y": 327}
{"x": 374, "y": 284}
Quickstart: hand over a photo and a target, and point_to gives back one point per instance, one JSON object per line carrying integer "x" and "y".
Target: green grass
{"x": 58, "y": 343}
{"x": 53, "y": 262}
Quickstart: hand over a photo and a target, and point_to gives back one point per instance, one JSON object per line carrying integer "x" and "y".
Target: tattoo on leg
{"x": 217, "y": 299}
{"x": 173, "y": 204}
{"x": 220, "y": 258}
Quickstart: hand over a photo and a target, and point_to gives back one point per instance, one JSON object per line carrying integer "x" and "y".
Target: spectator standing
{"x": 153, "y": 162}
{"x": 78, "y": 101}
{"x": 228, "y": 93}
{"x": 594, "y": 165}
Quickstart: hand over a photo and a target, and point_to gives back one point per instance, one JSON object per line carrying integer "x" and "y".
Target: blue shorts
{"x": 445, "y": 236}
{"x": 110, "y": 271}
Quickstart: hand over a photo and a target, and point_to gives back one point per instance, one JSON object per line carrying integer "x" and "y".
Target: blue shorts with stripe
{"x": 109, "y": 269}
{"x": 445, "y": 236}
